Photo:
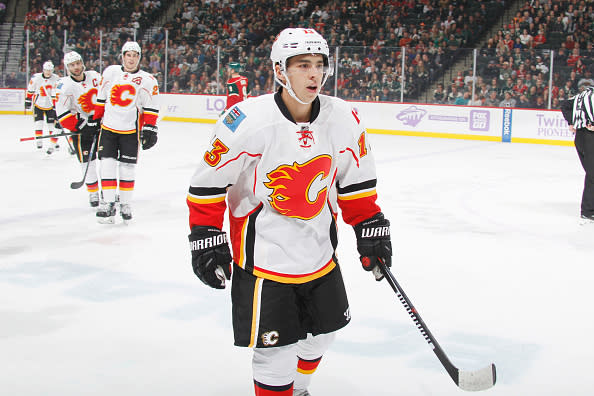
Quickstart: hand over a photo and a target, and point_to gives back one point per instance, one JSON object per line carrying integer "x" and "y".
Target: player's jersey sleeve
{"x": 149, "y": 100}
{"x": 32, "y": 87}
{"x": 356, "y": 178}
{"x": 231, "y": 151}
{"x": 65, "y": 104}
{"x": 103, "y": 92}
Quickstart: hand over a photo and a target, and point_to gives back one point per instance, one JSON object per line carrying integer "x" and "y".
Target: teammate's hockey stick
{"x": 79, "y": 184}
{"x": 467, "y": 380}
{"x": 56, "y": 135}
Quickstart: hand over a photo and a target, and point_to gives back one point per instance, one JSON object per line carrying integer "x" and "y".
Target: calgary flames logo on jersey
{"x": 122, "y": 95}
{"x": 298, "y": 189}
{"x": 86, "y": 102}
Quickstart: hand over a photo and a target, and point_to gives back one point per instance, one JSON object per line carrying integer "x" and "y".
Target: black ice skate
{"x": 126, "y": 212}
{"x": 94, "y": 199}
{"x": 586, "y": 219}
{"x": 106, "y": 213}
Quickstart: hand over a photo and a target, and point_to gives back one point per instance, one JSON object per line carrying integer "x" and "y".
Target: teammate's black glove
{"x": 373, "y": 243}
{"x": 88, "y": 126}
{"x": 93, "y": 126}
{"x": 27, "y": 103}
{"x": 211, "y": 258}
{"x": 148, "y": 136}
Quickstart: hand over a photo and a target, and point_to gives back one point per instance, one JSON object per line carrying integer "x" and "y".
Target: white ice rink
{"x": 487, "y": 247}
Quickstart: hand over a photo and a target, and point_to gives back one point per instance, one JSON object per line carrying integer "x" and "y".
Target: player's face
{"x": 305, "y": 73}
{"x": 130, "y": 61}
{"x": 76, "y": 68}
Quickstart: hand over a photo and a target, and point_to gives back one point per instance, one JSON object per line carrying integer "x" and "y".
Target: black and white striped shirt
{"x": 583, "y": 109}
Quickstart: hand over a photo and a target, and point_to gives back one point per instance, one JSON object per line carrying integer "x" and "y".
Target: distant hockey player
{"x": 128, "y": 102}
{"x": 75, "y": 105}
{"x": 41, "y": 94}
{"x": 285, "y": 163}
{"x": 237, "y": 86}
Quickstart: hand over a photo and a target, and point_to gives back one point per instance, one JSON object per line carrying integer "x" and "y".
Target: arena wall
{"x": 407, "y": 119}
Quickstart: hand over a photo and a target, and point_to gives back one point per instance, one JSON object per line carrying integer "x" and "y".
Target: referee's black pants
{"x": 584, "y": 144}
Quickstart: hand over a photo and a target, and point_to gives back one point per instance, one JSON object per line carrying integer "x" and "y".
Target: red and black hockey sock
{"x": 271, "y": 390}
{"x": 308, "y": 366}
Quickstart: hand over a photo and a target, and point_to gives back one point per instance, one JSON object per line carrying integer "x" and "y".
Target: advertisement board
{"x": 406, "y": 119}
{"x": 460, "y": 122}
{"x": 12, "y": 101}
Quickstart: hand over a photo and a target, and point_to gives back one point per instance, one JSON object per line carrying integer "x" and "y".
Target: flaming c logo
{"x": 86, "y": 102}
{"x": 294, "y": 187}
{"x": 117, "y": 95}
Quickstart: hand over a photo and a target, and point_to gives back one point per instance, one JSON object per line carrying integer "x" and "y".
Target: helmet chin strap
{"x": 287, "y": 86}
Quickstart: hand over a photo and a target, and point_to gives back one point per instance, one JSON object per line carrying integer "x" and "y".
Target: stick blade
{"x": 477, "y": 380}
{"x": 76, "y": 185}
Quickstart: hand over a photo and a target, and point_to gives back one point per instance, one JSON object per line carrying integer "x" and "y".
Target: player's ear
{"x": 279, "y": 75}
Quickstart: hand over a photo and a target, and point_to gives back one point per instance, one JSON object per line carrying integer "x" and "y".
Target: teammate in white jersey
{"x": 285, "y": 163}
{"x": 41, "y": 94}
{"x": 128, "y": 102}
{"x": 75, "y": 105}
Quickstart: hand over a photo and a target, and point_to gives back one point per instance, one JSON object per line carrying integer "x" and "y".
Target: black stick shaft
{"x": 79, "y": 184}
{"x": 414, "y": 314}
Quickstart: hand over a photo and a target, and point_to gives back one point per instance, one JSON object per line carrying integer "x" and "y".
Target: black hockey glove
{"x": 148, "y": 136}
{"x": 211, "y": 258}
{"x": 27, "y": 103}
{"x": 88, "y": 126}
{"x": 373, "y": 244}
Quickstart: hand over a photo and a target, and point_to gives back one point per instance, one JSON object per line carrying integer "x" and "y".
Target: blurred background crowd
{"x": 465, "y": 52}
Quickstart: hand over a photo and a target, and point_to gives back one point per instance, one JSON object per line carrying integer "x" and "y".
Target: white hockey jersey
{"x": 282, "y": 181}
{"x": 76, "y": 99}
{"x": 126, "y": 101}
{"x": 42, "y": 90}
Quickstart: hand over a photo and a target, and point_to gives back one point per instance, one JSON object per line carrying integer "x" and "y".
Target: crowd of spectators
{"x": 373, "y": 43}
{"x": 514, "y": 69}
{"x": 371, "y": 37}
{"x": 50, "y": 22}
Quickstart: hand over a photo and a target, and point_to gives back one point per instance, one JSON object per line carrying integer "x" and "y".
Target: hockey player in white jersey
{"x": 41, "y": 95}
{"x": 284, "y": 164}
{"x": 128, "y": 101}
{"x": 76, "y": 99}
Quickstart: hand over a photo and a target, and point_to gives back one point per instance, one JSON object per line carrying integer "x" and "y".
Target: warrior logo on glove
{"x": 374, "y": 244}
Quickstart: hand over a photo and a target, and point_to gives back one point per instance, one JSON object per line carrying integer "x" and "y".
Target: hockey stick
{"x": 79, "y": 184}
{"x": 48, "y": 136}
{"x": 467, "y": 380}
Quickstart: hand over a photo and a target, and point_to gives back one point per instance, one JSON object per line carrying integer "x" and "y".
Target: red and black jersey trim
{"x": 250, "y": 239}
{"x": 356, "y": 187}
{"x": 207, "y": 191}
{"x": 333, "y": 231}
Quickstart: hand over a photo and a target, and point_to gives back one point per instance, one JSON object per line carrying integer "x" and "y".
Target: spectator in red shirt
{"x": 539, "y": 39}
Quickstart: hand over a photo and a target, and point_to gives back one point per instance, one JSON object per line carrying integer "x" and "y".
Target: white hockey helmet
{"x": 298, "y": 41}
{"x": 72, "y": 57}
{"x": 48, "y": 66}
{"x": 131, "y": 46}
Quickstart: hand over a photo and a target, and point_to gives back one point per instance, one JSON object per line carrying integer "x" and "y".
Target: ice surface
{"x": 487, "y": 247}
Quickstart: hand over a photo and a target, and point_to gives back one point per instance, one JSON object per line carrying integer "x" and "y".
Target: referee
{"x": 578, "y": 111}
